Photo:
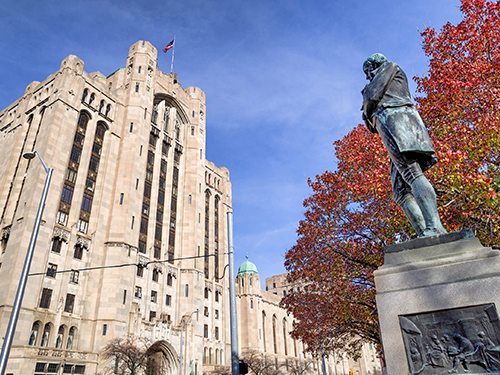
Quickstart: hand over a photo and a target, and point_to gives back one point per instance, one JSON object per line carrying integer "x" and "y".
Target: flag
{"x": 169, "y": 45}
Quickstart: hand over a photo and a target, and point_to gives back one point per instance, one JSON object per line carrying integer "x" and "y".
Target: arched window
{"x": 274, "y": 335}
{"x": 284, "y": 337}
{"x": 60, "y": 336}
{"x": 264, "y": 329}
{"x": 71, "y": 337}
{"x": 108, "y": 110}
{"x": 92, "y": 98}
{"x": 205, "y": 356}
{"x": 83, "y": 120}
{"x": 216, "y": 356}
{"x": 101, "y": 106}
{"x": 177, "y": 130}
{"x": 46, "y": 335}
{"x": 155, "y": 114}
{"x": 166, "y": 116}
{"x": 221, "y": 357}
{"x": 85, "y": 94}
{"x": 34, "y": 333}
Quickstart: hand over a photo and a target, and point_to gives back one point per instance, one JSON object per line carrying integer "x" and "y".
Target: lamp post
{"x": 9, "y": 335}
{"x": 182, "y": 329}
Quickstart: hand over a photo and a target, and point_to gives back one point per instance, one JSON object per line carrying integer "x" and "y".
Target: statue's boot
{"x": 425, "y": 197}
{"x": 413, "y": 213}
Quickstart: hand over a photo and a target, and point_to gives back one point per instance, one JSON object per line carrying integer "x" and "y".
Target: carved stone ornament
{"x": 218, "y": 288}
{"x": 462, "y": 340}
{"x": 209, "y": 285}
{"x": 5, "y": 233}
{"x": 83, "y": 242}
{"x": 61, "y": 233}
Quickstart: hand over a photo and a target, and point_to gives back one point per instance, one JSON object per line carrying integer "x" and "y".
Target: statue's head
{"x": 372, "y": 63}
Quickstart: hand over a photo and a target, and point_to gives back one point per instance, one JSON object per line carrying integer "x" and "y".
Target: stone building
{"x": 133, "y": 238}
{"x": 265, "y": 328}
{"x": 131, "y": 186}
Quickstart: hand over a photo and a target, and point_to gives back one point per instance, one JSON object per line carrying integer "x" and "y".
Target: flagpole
{"x": 172, "y": 65}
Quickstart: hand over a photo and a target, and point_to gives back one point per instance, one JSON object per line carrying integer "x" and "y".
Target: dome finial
{"x": 247, "y": 255}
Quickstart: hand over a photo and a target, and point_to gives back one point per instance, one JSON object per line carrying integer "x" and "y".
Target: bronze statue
{"x": 389, "y": 111}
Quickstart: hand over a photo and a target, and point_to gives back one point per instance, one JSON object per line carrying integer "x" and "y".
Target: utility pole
{"x": 235, "y": 361}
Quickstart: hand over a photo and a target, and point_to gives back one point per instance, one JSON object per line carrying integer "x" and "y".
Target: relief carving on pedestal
{"x": 458, "y": 340}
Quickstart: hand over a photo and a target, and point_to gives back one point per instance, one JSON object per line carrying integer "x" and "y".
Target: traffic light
{"x": 243, "y": 368}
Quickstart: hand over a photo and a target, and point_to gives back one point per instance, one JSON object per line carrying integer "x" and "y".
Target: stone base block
{"x": 437, "y": 302}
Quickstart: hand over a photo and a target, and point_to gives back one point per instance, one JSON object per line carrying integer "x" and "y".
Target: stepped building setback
{"x": 131, "y": 188}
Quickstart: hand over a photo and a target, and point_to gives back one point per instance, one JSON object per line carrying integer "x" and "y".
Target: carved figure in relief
{"x": 461, "y": 353}
{"x": 436, "y": 355}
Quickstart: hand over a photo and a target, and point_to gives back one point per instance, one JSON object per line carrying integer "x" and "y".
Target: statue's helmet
{"x": 375, "y": 60}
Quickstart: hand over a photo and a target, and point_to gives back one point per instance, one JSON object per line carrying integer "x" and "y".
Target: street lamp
{"x": 9, "y": 335}
{"x": 182, "y": 329}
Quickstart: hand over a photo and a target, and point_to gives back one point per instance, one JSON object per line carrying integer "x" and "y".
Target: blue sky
{"x": 282, "y": 79}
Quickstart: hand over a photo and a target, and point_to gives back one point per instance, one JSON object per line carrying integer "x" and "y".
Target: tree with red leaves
{"x": 350, "y": 216}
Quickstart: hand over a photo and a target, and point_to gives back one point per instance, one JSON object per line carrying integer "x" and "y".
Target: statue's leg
{"x": 425, "y": 197}
{"x": 402, "y": 195}
{"x": 413, "y": 213}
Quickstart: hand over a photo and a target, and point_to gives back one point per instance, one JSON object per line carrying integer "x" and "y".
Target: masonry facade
{"x": 131, "y": 185}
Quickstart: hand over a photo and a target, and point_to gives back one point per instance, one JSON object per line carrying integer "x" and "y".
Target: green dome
{"x": 247, "y": 267}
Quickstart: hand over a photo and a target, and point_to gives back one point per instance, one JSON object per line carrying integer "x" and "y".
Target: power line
{"x": 139, "y": 264}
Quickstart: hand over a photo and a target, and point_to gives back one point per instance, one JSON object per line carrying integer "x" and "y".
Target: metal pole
{"x": 235, "y": 361}
{"x": 182, "y": 329}
{"x": 323, "y": 360}
{"x": 172, "y": 65}
{"x": 9, "y": 335}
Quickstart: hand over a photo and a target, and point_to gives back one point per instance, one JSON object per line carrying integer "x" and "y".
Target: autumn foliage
{"x": 350, "y": 215}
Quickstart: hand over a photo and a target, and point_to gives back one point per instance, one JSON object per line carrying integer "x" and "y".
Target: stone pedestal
{"x": 429, "y": 291}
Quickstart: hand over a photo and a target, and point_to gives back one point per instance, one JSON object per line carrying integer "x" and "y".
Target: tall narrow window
{"x": 46, "y": 335}
{"x": 46, "y": 296}
{"x": 34, "y": 333}
{"x": 207, "y": 225}
{"x": 71, "y": 337}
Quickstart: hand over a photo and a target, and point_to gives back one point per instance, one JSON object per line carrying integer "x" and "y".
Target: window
{"x": 151, "y": 158}
{"x": 154, "y": 296}
{"x": 62, "y": 218}
{"x": 131, "y": 127}
{"x": 187, "y": 290}
{"x": 156, "y": 252}
{"x": 155, "y": 275}
{"x": 92, "y": 98}
{"x": 205, "y": 331}
{"x": 67, "y": 193}
{"x": 164, "y": 148}
{"x": 149, "y": 176}
{"x": 140, "y": 271}
{"x": 161, "y": 197}
{"x": 85, "y": 94}
{"x": 251, "y": 303}
{"x": 78, "y": 254}
{"x": 162, "y": 183}
{"x": 46, "y": 335}
{"x": 94, "y": 163}
{"x": 158, "y": 228}
{"x": 87, "y": 202}
{"x": 71, "y": 175}
{"x": 124, "y": 296}
{"x": 147, "y": 189}
{"x": 108, "y": 110}
{"x": 216, "y": 314}
{"x": 71, "y": 336}
{"x": 104, "y": 329}
{"x": 139, "y": 70}
{"x": 34, "y": 333}
{"x": 159, "y": 216}
{"x": 83, "y": 225}
{"x": 217, "y": 296}
{"x": 45, "y": 300}
{"x": 144, "y": 225}
{"x": 101, "y": 106}
{"x": 74, "y": 277}
{"x": 168, "y": 300}
{"x": 138, "y": 292}
{"x": 84, "y": 118}
{"x": 121, "y": 198}
{"x": 136, "y": 87}
{"x": 216, "y": 333}
{"x": 89, "y": 184}
{"x": 56, "y": 245}
{"x": 51, "y": 270}
{"x": 205, "y": 311}
{"x": 70, "y": 303}
{"x": 96, "y": 149}
{"x": 152, "y": 315}
{"x": 76, "y": 152}
{"x": 152, "y": 139}
{"x": 206, "y": 292}
{"x": 142, "y": 247}
{"x": 169, "y": 280}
